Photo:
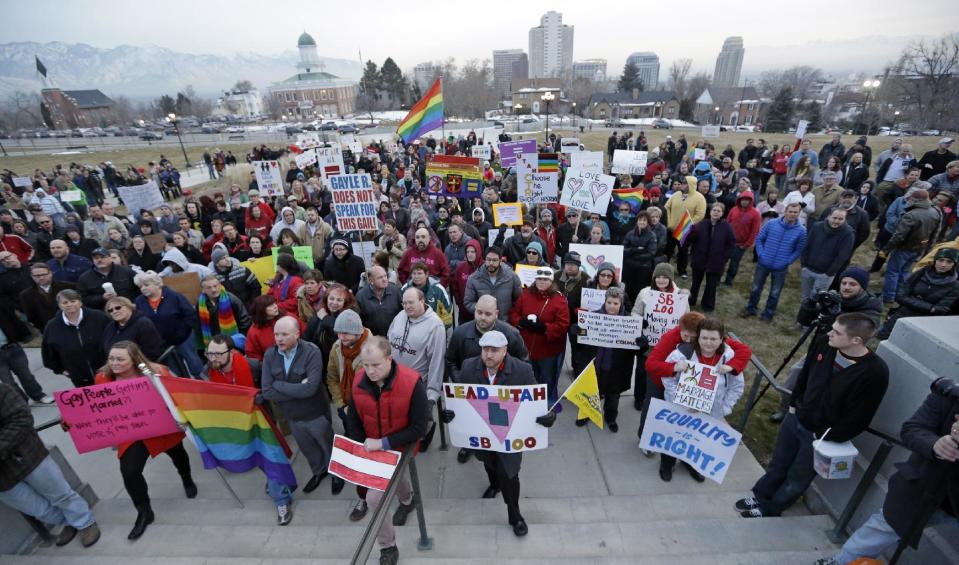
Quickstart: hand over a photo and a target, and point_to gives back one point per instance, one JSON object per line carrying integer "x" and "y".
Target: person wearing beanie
{"x": 570, "y": 282}
{"x": 546, "y": 231}
{"x": 914, "y": 234}
{"x": 342, "y": 266}
{"x": 534, "y": 254}
{"x": 933, "y": 291}
{"x": 514, "y": 248}
{"x": 234, "y": 277}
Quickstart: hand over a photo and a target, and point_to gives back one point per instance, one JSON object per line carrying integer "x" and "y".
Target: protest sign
{"x": 187, "y": 284}
{"x": 595, "y": 255}
{"x": 706, "y": 443}
{"x": 661, "y": 312}
{"x": 801, "y": 128}
{"x": 696, "y": 387}
{"x": 710, "y": 131}
{"x": 142, "y": 197}
{"x": 699, "y": 154}
{"x": 547, "y": 163}
{"x": 591, "y": 299}
{"x": 329, "y": 161}
{"x": 349, "y": 141}
{"x": 351, "y": 461}
{"x": 109, "y": 414}
{"x": 494, "y": 233}
{"x": 71, "y": 196}
{"x": 305, "y": 159}
{"x": 508, "y": 150}
{"x": 526, "y": 274}
{"x": 591, "y": 161}
{"x": 570, "y": 145}
{"x": 22, "y": 182}
{"x": 302, "y": 253}
{"x": 263, "y": 269}
{"x": 525, "y": 168}
{"x": 539, "y": 188}
{"x": 482, "y": 152}
{"x": 585, "y": 190}
{"x": 156, "y": 242}
{"x": 509, "y": 213}
{"x": 629, "y": 162}
{"x": 308, "y": 140}
{"x": 605, "y": 330}
{"x": 460, "y": 177}
{"x": 353, "y": 202}
{"x": 365, "y": 250}
{"x": 269, "y": 178}
{"x": 497, "y": 418}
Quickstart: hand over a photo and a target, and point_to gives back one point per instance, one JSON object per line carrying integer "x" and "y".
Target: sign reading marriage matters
{"x": 497, "y": 418}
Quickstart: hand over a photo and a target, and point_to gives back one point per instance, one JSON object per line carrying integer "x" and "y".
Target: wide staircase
{"x": 591, "y": 497}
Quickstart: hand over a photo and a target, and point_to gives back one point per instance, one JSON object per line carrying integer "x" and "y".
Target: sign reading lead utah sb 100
{"x": 353, "y": 202}
{"x": 497, "y": 418}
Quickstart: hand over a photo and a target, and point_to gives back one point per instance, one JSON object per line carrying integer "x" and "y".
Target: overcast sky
{"x": 836, "y": 36}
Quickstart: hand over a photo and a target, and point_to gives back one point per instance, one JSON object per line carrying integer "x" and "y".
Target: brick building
{"x": 71, "y": 109}
{"x": 312, "y": 93}
{"x": 633, "y": 105}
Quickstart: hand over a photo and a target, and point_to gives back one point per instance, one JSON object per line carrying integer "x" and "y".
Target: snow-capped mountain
{"x": 146, "y": 71}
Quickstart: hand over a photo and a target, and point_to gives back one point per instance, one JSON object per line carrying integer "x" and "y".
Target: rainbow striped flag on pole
{"x": 632, "y": 196}
{"x": 426, "y": 115}
{"x": 230, "y": 430}
{"x": 682, "y": 229}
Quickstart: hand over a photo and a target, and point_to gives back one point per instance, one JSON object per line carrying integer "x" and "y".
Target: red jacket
{"x": 655, "y": 166}
{"x": 268, "y": 214}
{"x": 260, "y": 227}
{"x": 657, "y": 367}
{"x": 550, "y": 239}
{"x": 261, "y": 338}
{"x": 745, "y": 223}
{"x": 392, "y": 412}
{"x": 780, "y": 163}
{"x": 552, "y": 310}
{"x": 462, "y": 274}
{"x": 288, "y": 303}
{"x": 434, "y": 259}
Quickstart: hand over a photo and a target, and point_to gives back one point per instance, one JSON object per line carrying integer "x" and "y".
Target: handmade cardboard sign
{"x": 353, "y": 202}
{"x": 586, "y": 190}
{"x": 269, "y": 179}
{"x": 497, "y": 418}
{"x": 629, "y": 162}
{"x": 595, "y": 255}
{"x": 605, "y": 330}
{"x": 661, "y": 313}
{"x": 508, "y": 150}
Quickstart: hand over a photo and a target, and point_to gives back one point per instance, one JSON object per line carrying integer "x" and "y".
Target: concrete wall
{"x": 919, "y": 351}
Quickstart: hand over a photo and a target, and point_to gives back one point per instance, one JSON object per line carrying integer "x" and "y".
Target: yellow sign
{"x": 584, "y": 393}
{"x": 509, "y": 213}
{"x": 262, "y": 268}
{"x": 526, "y": 274}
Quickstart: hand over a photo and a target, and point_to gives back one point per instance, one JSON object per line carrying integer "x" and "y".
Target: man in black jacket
{"x": 932, "y": 434}
{"x": 838, "y": 391}
{"x": 494, "y": 366}
{"x": 71, "y": 340}
{"x": 90, "y": 285}
{"x": 39, "y": 302}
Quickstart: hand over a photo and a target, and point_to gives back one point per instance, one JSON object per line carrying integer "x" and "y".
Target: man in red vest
{"x": 389, "y": 410}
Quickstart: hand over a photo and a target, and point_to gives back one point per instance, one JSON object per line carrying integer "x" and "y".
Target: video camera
{"x": 946, "y": 387}
{"x": 821, "y": 309}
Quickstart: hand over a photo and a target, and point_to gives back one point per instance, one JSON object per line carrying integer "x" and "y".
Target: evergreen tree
{"x": 370, "y": 83}
{"x": 392, "y": 82}
{"x": 630, "y": 79}
{"x": 167, "y": 104}
{"x": 780, "y": 112}
{"x": 814, "y": 115}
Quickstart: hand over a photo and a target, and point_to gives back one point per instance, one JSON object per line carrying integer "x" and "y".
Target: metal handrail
{"x": 363, "y": 549}
{"x": 174, "y": 355}
{"x": 751, "y": 401}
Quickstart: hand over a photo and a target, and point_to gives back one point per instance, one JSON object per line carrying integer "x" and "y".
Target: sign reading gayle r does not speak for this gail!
{"x": 353, "y": 202}
{"x": 497, "y": 418}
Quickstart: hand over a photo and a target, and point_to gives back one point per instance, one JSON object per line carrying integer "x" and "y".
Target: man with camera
{"x": 924, "y": 489}
{"x": 838, "y": 391}
{"x": 822, "y": 308}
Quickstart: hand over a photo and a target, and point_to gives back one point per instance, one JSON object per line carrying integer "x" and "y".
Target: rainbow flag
{"x": 230, "y": 430}
{"x": 682, "y": 229}
{"x": 548, "y": 163}
{"x": 632, "y": 196}
{"x": 426, "y": 115}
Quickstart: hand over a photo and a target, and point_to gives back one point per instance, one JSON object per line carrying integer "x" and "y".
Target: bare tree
{"x": 243, "y": 86}
{"x": 800, "y": 79}
{"x": 678, "y": 73}
{"x": 123, "y": 110}
{"x": 925, "y": 77}
{"x": 23, "y": 109}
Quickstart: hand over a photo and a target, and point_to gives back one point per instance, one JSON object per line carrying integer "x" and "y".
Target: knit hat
{"x": 572, "y": 257}
{"x": 348, "y": 322}
{"x": 606, "y": 266}
{"x": 546, "y": 212}
{"x": 655, "y": 192}
{"x": 948, "y": 253}
{"x": 529, "y": 220}
{"x": 858, "y": 274}
{"x": 536, "y": 246}
{"x": 340, "y": 241}
{"x": 217, "y": 254}
{"x": 664, "y": 269}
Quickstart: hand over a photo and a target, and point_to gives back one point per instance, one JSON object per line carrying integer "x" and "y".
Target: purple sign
{"x": 509, "y": 150}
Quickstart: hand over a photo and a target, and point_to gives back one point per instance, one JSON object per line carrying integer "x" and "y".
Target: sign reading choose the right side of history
{"x": 497, "y": 418}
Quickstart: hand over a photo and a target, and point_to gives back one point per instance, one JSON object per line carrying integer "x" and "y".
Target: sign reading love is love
{"x": 587, "y": 190}
{"x": 595, "y": 255}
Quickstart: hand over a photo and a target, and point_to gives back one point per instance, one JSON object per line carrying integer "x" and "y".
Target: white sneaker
{"x": 747, "y": 503}
{"x": 46, "y": 399}
{"x": 284, "y": 514}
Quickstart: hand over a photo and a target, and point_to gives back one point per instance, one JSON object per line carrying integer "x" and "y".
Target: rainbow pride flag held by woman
{"x": 682, "y": 229}
{"x": 632, "y": 196}
{"x": 426, "y": 115}
{"x": 230, "y": 430}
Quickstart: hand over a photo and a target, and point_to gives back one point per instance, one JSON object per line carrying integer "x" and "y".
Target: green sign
{"x": 302, "y": 253}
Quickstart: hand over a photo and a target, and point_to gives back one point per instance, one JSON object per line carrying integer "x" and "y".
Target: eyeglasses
{"x": 532, "y": 252}
{"x": 605, "y": 275}
{"x": 215, "y": 354}
{"x": 114, "y": 309}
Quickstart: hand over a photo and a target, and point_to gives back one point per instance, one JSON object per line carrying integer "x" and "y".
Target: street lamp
{"x": 717, "y": 114}
{"x": 895, "y": 119}
{"x": 548, "y": 97}
{"x": 517, "y": 108}
{"x": 171, "y": 117}
{"x": 868, "y": 86}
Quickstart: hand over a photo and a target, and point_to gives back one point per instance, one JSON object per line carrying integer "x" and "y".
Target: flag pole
{"x": 444, "y": 113}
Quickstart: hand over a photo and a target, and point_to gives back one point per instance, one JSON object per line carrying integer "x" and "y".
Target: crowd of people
{"x": 439, "y": 299}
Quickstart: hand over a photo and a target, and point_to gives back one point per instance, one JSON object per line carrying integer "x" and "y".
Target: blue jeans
{"x": 187, "y": 351}
{"x": 734, "y": 260}
{"x": 791, "y": 470}
{"x": 897, "y": 271}
{"x": 759, "y": 281}
{"x": 14, "y": 361}
{"x": 874, "y": 537}
{"x": 46, "y": 495}
{"x": 211, "y": 170}
{"x": 280, "y": 493}
{"x": 545, "y": 372}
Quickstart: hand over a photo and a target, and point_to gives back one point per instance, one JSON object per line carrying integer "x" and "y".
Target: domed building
{"x": 312, "y": 93}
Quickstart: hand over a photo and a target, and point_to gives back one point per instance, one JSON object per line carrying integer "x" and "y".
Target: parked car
{"x": 347, "y": 129}
{"x": 235, "y": 129}
{"x": 661, "y": 124}
{"x": 935, "y": 132}
{"x": 151, "y": 136}
{"x": 328, "y": 126}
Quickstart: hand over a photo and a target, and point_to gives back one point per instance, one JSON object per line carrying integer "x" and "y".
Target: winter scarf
{"x": 349, "y": 355}
{"x": 225, "y": 319}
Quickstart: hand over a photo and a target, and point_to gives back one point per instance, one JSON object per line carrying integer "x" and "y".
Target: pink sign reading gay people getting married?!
{"x": 109, "y": 414}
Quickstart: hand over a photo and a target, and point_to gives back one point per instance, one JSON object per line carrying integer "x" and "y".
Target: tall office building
{"x": 506, "y": 62}
{"x": 729, "y": 62}
{"x": 648, "y": 64}
{"x": 424, "y": 73}
{"x": 592, "y": 69}
{"x": 550, "y": 47}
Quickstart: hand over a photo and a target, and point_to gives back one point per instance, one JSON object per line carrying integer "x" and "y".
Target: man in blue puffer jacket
{"x": 704, "y": 171}
{"x": 779, "y": 244}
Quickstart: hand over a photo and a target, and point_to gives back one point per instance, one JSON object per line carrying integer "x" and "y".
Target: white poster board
{"x": 497, "y": 418}
{"x": 570, "y": 145}
{"x": 710, "y": 131}
{"x": 494, "y": 233}
{"x": 629, "y": 162}
{"x": 539, "y": 188}
{"x": 696, "y": 388}
{"x": 661, "y": 311}
{"x": 71, "y": 196}
{"x": 22, "y": 182}
{"x": 801, "y": 129}
{"x": 143, "y": 197}
{"x": 595, "y": 255}
{"x": 349, "y": 140}
{"x": 353, "y": 202}
{"x": 269, "y": 178}
{"x": 482, "y": 152}
{"x": 605, "y": 330}
{"x": 591, "y": 161}
{"x": 305, "y": 159}
{"x": 591, "y": 299}
{"x": 329, "y": 161}
{"x": 308, "y": 140}
{"x": 526, "y": 274}
{"x": 706, "y": 443}
{"x": 525, "y": 166}
{"x": 585, "y": 190}
{"x": 365, "y": 249}
{"x": 699, "y": 154}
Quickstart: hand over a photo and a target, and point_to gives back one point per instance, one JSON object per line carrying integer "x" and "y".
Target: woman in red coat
{"x": 123, "y": 362}
{"x": 264, "y": 312}
{"x": 286, "y": 283}
{"x": 474, "y": 260}
{"x": 542, "y": 315}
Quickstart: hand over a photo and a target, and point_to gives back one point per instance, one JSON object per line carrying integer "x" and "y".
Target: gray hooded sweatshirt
{"x": 421, "y": 345}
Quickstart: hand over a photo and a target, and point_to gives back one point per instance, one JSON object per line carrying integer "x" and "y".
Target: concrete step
{"x": 711, "y": 536}
{"x": 621, "y": 509}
